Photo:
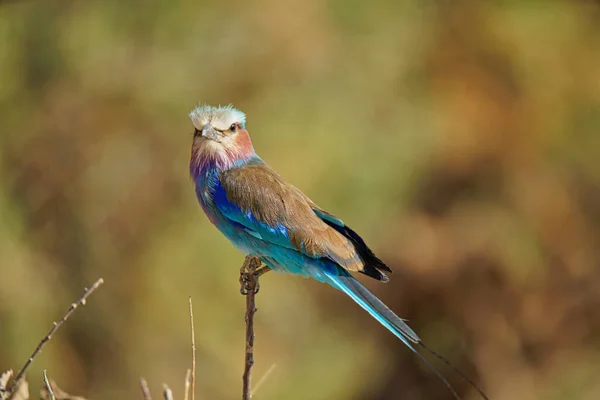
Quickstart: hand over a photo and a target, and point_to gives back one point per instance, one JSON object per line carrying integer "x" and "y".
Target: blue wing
{"x": 245, "y": 220}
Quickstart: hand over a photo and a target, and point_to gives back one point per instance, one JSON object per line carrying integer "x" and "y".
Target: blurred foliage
{"x": 461, "y": 138}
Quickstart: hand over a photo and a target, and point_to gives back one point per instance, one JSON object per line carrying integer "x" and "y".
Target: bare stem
{"x": 249, "y": 282}
{"x": 193, "y": 377}
{"x": 48, "y": 387}
{"x": 81, "y": 302}
{"x": 167, "y": 392}
{"x": 145, "y": 389}
{"x": 186, "y": 387}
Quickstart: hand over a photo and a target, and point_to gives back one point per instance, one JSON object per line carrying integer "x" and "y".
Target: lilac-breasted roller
{"x": 264, "y": 216}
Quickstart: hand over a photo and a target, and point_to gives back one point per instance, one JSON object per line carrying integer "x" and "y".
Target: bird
{"x": 266, "y": 217}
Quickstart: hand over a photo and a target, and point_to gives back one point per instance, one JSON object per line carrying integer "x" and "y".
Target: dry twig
{"x": 249, "y": 281}
{"x": 193, "y": 377}
{"x": 145, "y": 389}
{"x": 186, "y": 393}
{"x": 167, "y": 392}
{"x": 48, "y": 387}
{"x": 81, "y": 302}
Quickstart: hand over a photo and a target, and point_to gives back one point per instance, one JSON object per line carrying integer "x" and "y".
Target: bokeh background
{"x": 461, "y": 138}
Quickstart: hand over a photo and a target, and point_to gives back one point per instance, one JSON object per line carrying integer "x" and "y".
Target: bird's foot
{"x": 249, "y": 273}
{"x": 247, "y": 284}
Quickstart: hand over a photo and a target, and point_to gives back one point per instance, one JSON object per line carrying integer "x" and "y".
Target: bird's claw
{"x": 248, "y": 278}
{"x": 248, "y": 283}
{"x": 249, "y": 275}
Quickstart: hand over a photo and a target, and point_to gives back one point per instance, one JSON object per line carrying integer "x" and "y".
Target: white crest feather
{"x": 220, "y": 117}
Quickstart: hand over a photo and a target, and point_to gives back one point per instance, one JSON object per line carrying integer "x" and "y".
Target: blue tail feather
{"x": 368, "y": 301}
{"x": 375, "y": 307}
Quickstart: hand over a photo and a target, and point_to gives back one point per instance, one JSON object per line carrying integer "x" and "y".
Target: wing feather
{"x": 267, "y": 203}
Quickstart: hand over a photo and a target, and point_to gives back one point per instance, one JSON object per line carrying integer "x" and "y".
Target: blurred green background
{"x": 460, "y": 138}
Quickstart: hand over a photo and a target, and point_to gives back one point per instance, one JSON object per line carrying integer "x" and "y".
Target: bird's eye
{"x": 197, "y": 132}
{"x": 233, "y": 127}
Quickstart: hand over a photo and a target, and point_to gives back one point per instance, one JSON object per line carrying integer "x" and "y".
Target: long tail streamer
{"x": 394, "y": 324}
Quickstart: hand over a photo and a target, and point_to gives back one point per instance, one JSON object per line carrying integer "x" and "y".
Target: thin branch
{"x": 81, "y": 302}
{"x": 48, "y": 387}
{"x": 193, "y": 378}
{"x": 145, "y": 389}
{"x": 249, "y": 282}
{"x": 263, "y": 379}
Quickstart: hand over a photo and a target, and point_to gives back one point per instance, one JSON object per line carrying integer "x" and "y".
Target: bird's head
{"x": 220, "y": 138}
